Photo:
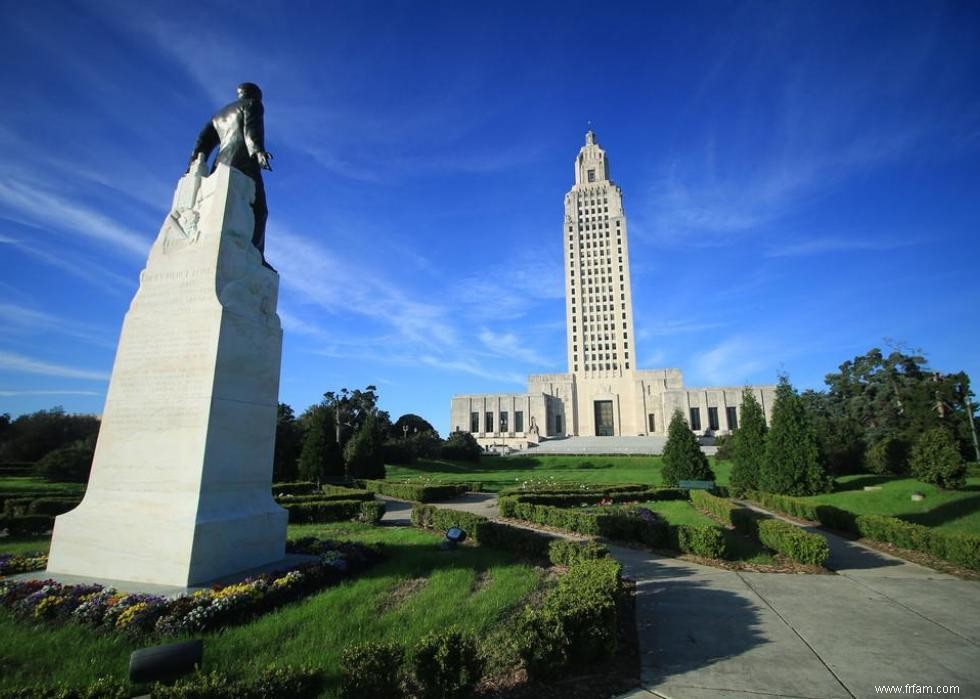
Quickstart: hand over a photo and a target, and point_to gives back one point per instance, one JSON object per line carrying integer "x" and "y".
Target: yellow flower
{"x": 126, "y": 618}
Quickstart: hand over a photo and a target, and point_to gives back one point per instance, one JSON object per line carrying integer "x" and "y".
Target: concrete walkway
{"x": 706, "y": 633}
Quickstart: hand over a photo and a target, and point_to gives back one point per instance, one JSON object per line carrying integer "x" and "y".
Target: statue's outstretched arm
{"x": 207, "y": 141}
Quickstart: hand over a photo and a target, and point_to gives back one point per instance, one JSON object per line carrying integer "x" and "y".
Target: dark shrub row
{"x": 742, "y": 518}
{"x": 792, "y": 541}
{"x": 352, "y": 493}
{"x": 27, "y": 525}
{"x": 17, "y": 507}
{"x": 587, "y": 498}
{"x": 271, "y": 683}
{"x": 363, "y": 495}
{"x": 566, "y": 553}
{"x": 701, "y": 540}
{"x": 417, "y": 492}
{"x": 334, "y": 511}
{"x": 481, "y": 530}
{"x": 955, "y": 547}
{"x": 590, "y": 489}
{"x": 296, "y": 488}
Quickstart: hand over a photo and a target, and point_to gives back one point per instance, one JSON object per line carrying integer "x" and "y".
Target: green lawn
{"x": 955, "y": 510}
{"x": 420, "y": 588}
{"x": 678, "y": 512}
{"x": 15, "y": 484}
{"x": 495, "y": 473}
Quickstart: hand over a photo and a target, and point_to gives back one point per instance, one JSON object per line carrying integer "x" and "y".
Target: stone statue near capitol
{"x": 180, "y": 489}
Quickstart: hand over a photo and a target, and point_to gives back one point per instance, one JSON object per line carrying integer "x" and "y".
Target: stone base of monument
{"x": 180, "y": 490}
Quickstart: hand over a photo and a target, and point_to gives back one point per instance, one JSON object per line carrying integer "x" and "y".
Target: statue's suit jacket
{"x": 239, "y": 130}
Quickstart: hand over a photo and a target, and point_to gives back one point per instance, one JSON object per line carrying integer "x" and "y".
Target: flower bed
{"x": 11, "y": 564}
{"x": 140, "y": 615}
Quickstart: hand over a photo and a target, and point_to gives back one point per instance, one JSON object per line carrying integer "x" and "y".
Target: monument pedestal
{"x": 180, "y": 490}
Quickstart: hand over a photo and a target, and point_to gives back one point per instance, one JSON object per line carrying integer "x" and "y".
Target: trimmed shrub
{"x": 271, "y": 683}
{"x": 566, "y": 553}
{"x": 741, "y": 518}
{"x": 417, "y": 491}
{"x": 330, "y": 511}
{"x": 102, "y": 688}
{"x": 53, "y": 506}
{"x": 581, "y": 489}
{"x": 297, "y": 488}
{"x": 482, "y": 531}
{"x": 370, "y": 670}
{"x": 683, "y": 458}
{"x": 887, "y": 455}
{"x": 461, "y": 446}
{"x": 703, "y": 540}
{"x": 445, "y": 665}
{"x": 71, "y": 464}
{"x": 935, "y": 459}
{"x": 371, "y": 512}
{"x": 792, "y": 541}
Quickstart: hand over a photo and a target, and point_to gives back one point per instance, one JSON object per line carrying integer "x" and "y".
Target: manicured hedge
{"x": 955, "y": 547}
{"x": 792, "y": 541}
{"x": 363, "y": 495}
{"x": 417, "y": 492}
{"x": 334, "y": 511}
{"x": 566, "y": 552}
{"x": 353, "y": 493}
{"x": 296, "y": 488}
{"x": 586, "y": 498}
{"x": 481, "y": 530}
{"x": 39, "y": 504}
{"x": 622, "y": 525}
{"x": 742, "y": 518}
{"x": 588, "y": 489}
{"x": 576, "y": 624}
{"x": 27, "y": 525}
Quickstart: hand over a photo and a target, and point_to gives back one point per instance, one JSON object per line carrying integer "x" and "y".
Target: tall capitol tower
{"x": 603, "y": 393}
{"x": 598, "y": 302}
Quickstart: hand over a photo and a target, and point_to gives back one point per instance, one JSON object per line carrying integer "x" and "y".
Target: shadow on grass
{"x": 947, "y": 512}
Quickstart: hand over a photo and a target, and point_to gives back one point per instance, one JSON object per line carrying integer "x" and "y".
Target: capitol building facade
{"x": 603, "y": 394}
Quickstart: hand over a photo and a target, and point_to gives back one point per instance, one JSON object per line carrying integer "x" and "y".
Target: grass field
{"x": 955, "y": 510}
{"x": 495, "y": 473}
{"x": 16, "y": 484}
{"x": 420, "y": 588}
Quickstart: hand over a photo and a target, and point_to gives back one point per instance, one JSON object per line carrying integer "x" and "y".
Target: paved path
{"x": 706, "y": 633}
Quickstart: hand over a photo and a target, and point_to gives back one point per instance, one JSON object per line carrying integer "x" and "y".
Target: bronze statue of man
{"x": 239, "y": 131}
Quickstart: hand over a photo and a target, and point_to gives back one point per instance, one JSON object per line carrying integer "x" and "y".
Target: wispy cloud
{"x": 52, "y": 392}
{"x": 476, "y": 369}
{"x": 669, "y": 328}
{"x": 820, "y": 246}
{"x": 23, "y": 319}
{"x": 54, "y": 209}
{"x": 729, "y": 363}
{"x": 511, "y": 346}
{"x": 77, "y": 266}
{"x": 26, "y": 365}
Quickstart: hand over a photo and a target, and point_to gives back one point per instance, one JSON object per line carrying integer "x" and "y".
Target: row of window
{"x": 602, "y": 367}
{"x": 504, "y": 420}
{"x": 731, "y": 415}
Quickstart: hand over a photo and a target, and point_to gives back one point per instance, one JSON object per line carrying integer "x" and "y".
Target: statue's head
{"x": 249, "y": 91}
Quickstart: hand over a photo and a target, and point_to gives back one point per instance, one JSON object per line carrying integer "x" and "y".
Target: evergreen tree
{"x": 289, "y": 442}
{"x": 935, "y": 459}
{"x": 320, "y": 457}
{"x": 364, "y": 452}
{"x": 748, "y": 445}
{"x": 791, "y": 464}
{"x": 683, "y": 458}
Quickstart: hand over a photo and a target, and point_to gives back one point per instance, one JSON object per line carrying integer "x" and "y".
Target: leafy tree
{"x": 935, "y": 459}
{"x": 414, "y": 425}
{"x": 71, "y": 464}
{"x": 351, "y": 407}
{"x": 683, "y": 458}
{"x": 289, "y": 443}
{"x": 30, "y": 437}
{"x": 791, "y": 464}
{"x": 320, "y": 457}
{"x": 839, "y": 438}
{"x": 888, "y": 455}
{"x": 748, "y": 444}
{"x": 461, "y": 446}
{"x": 364, "y": 452}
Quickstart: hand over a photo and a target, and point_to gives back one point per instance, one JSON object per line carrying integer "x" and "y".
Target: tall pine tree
{"x": 683, "y": 458}
{"x": 320, "y": 457}
{"x": 791, "y": 465}
{"x": 748, "y": 445}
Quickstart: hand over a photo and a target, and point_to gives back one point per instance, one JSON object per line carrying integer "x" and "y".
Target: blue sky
{"x": 801, "y": 182}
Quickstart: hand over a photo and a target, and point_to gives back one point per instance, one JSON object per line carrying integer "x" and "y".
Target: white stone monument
{"x": 180, "y": 491}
